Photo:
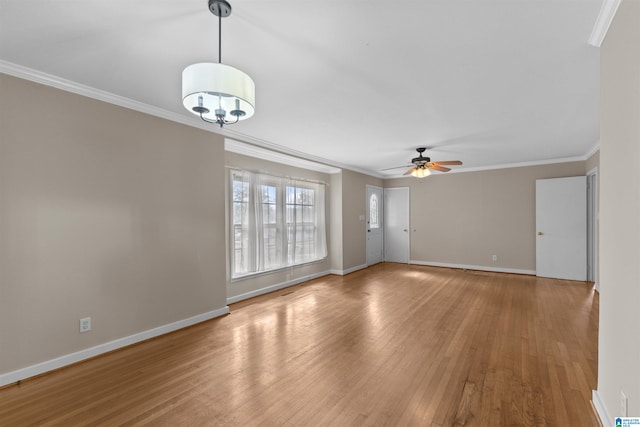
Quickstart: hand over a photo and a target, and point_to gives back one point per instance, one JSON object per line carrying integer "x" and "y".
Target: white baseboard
{"x": 68, "y": 359}
{"x": 356, "y": 268}
{"x": 601, "y": 410}
{"x": 348, "y": 270}
{"x": 275, "y": 287}
{"x": 474, "y": 267}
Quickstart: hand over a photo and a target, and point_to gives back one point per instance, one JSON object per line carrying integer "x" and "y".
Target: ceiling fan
{"x": 421, "y": 166}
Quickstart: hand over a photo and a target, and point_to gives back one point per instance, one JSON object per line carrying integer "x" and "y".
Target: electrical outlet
{"x": 85, "y": 324}
{"x": 494, "y": 258}
{"x": 624, "y": 403}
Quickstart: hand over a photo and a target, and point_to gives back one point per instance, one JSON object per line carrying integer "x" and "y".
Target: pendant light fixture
{"x": 216, "y": 92}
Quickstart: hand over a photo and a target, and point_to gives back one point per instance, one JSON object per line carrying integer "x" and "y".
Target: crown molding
{"x": 279, "y": 153}
{"x": 593, "y": 150}
{"x": 511, "y": 165}
{"x": 603, "y": 22}
{"x": 273, "y": 156}
{"x": 525, "y": 164}
{"x": 91, "y": 92}
{"x": 108, "y": 97}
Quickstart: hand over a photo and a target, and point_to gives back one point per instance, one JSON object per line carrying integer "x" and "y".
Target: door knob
{"x": 405, "y": 230}
{"x": 540, "y": 233}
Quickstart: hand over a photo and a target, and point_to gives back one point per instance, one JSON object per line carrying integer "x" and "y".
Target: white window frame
{"x": 286, "y": 249}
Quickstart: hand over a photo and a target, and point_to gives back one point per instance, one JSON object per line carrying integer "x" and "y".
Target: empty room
{"x": 241, "y": 212}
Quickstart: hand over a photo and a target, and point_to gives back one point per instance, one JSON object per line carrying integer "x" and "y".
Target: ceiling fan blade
{"x": 396, "y": 167}
{"x": 439, "y": 168}
{"x": 408, "y": 172}
{"x": 449, "y": 162}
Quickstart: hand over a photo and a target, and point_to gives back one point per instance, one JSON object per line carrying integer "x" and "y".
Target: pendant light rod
{"x": 222, "y": 9}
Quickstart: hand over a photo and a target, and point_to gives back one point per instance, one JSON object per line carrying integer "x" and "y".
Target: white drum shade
{"x": 217, "y": 86}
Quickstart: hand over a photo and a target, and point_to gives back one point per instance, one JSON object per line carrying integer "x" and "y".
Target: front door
{"x": 374, "y": 225}
{"x": 561, "y": 227}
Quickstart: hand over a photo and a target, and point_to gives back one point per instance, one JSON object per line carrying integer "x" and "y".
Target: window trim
{"x": 247, "y": 276}
{"x": 270, "y": 179}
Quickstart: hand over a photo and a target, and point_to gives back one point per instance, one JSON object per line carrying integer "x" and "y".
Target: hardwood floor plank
{"x": 389, "y": 345}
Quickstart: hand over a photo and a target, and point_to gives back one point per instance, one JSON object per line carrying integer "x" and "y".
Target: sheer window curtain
{"x": 321, "y": 227}
{"x": 277, "y": 222}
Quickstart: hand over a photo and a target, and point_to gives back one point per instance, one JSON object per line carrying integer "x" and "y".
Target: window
{"x": 277, "y": 223}
{"x": 300, "y": 224}
{"x": 269, "y": 224}
{"x": 240, "y": 203}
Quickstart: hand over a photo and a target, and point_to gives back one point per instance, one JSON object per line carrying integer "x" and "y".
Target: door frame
{"x": 592, "y": 227}
{"x": 561, "y": 228}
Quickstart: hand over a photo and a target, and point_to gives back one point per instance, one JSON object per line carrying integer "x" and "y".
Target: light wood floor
{"x": 389, "y": 345}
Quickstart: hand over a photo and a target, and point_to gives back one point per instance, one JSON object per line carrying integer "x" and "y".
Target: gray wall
{"x": 619, "y": 341}
{"x": 104, "y": 212}
{"x": 465, "y": 218}
{"x": 335, "y": 218}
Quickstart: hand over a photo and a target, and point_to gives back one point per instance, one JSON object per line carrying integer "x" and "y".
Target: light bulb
{"x": 420, "y": 172}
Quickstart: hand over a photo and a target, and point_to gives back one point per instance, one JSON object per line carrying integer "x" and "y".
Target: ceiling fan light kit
{"x": 216, "y": 92}
{"x": 420, "y": 172}
{"x": 421, "y": 166}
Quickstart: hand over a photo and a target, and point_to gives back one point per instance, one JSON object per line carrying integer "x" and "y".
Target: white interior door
{"x": 561, "y": 226}
{"x": 375, "y": 224}
{"x": 396, "y": 224}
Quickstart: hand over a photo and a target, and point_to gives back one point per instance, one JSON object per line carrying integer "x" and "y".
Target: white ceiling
{"x": 358, "y": 83}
